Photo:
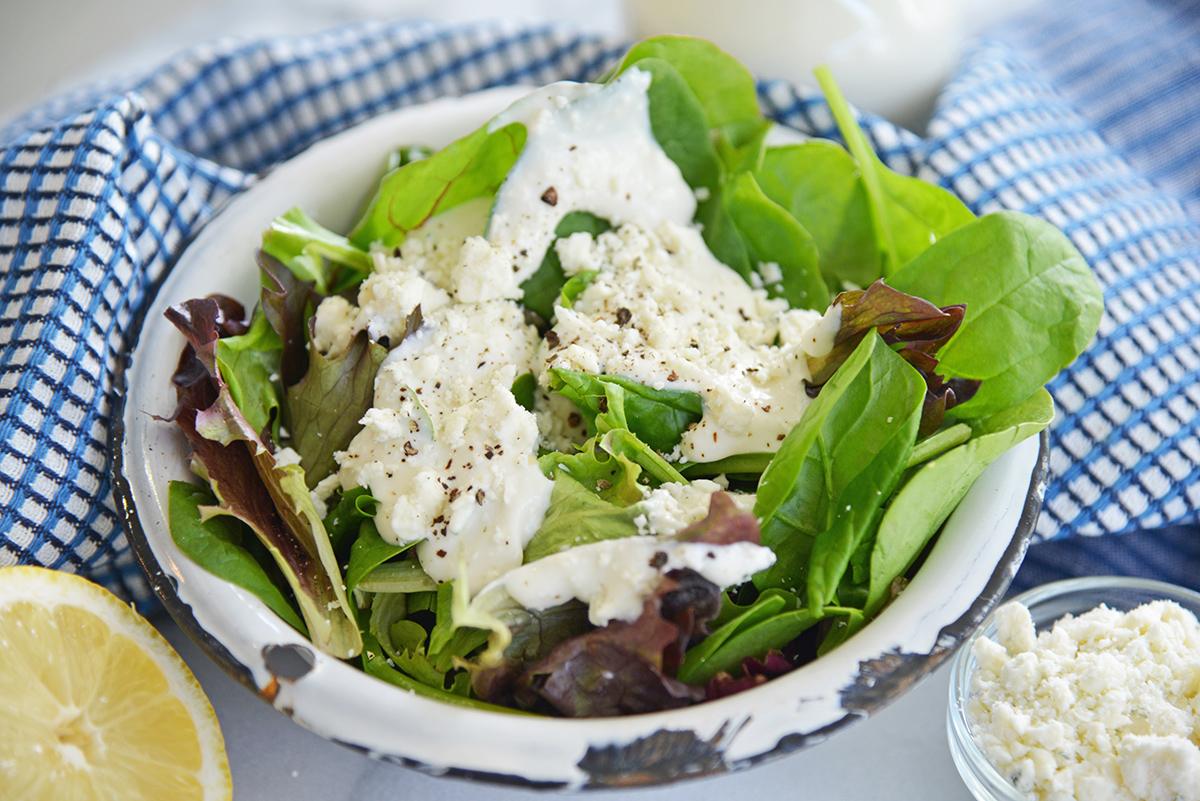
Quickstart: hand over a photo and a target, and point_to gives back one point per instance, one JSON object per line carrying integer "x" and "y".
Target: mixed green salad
{"x": 614, "y": 405}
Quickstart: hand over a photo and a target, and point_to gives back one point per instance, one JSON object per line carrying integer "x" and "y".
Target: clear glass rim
{"x": 977, "y": 772}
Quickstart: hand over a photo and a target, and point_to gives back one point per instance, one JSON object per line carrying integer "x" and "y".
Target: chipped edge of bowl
{"x": 902, "y": 645}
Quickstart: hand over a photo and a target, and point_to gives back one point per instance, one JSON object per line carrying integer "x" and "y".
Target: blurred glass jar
{"x": 888, "y": 56}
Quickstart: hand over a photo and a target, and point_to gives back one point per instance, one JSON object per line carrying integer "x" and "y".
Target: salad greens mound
{"x": 615, "y": 404}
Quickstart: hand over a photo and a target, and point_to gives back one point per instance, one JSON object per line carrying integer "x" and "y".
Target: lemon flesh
{"x": 94, "y": 703}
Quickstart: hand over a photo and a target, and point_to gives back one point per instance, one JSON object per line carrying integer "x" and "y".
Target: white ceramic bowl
{"x": 964, "y": 575}
{"x": 1046, "y": 604}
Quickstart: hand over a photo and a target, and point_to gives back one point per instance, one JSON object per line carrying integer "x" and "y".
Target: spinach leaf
{"x": 541, "y": 290}
{"x": 742, "y": 146}
{"x": 818, "y": 183}
{"x": 216, "y": 545}
{"x": 468, "y": 168}
{"x": 908, "y": 213}
{"x": 724, "y": 88}
{"x": 679, "y": 124}
{"x": 703, "y": 661}
{"x": 741, "y": 465}
{"x": 1032, "y": 305}
{"x": 773, "y": 235}
{"x": 722, "y": 236}
{"x": 524, "y": 390}
{"x": 374, "y": 663}
{"x": 864, "y": 446}
{"x": 773, "y": 632}
{"x": 657, "y": 416}
{"x": 848, "y": 450}
{"x": 791, "y": 499}
{"x": 935, "y": 489}
{"x": 682, "y": 127}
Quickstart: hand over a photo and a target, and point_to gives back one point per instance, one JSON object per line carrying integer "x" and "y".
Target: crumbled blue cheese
{"x": 1103, "y": 706}
{"x": 385, "y": 300}
{"x": 665, "y": 312}
{"x": 672, "y": 507}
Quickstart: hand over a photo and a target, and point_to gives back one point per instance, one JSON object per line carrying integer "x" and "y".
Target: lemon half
{"x": 94, "y": 703}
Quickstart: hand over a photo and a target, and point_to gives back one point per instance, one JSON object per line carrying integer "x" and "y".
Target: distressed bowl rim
{"x": 657, "y": 749}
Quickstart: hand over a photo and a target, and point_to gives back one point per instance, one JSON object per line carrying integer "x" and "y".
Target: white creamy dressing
{"x": 594, "y": 154}
{"x": 449, "y": 452}
{"x": 614, "y": 577}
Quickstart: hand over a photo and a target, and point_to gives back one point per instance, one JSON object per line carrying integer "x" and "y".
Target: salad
{"x": 615, "y": 405}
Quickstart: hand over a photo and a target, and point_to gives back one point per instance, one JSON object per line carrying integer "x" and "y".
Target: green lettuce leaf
{"x": 578, "y": 516}
{"x": 345, "y": 382}
{"x": 313, "y": 253}
{"x": 468, "y": 168}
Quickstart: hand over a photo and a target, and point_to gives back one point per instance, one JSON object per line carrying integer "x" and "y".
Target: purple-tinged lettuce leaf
{"x": 626, "y": 668}
{"x": 287, "y": 303}
{"x": 914, "y": 327}
{"x": 271, "y": 498}
{"x": 754, "y": 672}
{"x": 724, "y": 524}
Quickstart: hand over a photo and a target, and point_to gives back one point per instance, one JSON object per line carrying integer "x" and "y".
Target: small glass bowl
{"x": 1046, "y": 605}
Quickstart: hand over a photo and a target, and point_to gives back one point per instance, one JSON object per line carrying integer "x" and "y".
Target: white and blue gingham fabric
{"x": 1085, "y": 113}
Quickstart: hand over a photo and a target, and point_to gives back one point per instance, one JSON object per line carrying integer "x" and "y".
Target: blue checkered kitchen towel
{"x": 1086, "y": 113}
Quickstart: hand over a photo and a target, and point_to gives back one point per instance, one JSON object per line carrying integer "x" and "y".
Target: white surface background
{"x": 50, "y": 45}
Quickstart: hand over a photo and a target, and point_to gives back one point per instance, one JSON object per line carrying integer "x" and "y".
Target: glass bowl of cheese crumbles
{"x": 595, "y": 434}
{"x": 1084, "y": 688}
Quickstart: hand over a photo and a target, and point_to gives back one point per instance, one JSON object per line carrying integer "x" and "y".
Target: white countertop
{"x": 899, "y": 754}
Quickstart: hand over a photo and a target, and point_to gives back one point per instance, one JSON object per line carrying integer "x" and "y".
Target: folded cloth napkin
{"x": 1068, "y": 114}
